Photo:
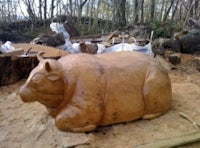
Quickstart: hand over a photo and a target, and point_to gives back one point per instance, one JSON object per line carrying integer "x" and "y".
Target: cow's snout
{"x": 26, "y": 94}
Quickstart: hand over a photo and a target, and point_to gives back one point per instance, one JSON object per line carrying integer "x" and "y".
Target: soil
{"x": 28, "y": 125}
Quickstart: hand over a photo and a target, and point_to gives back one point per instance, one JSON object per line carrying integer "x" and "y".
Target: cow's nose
{"x": 23, "y": 93}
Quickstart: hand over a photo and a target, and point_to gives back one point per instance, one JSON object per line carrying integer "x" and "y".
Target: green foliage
{"x": 164, "y": 29}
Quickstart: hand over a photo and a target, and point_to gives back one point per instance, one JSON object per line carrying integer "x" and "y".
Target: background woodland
{"x": 98, "y": 16}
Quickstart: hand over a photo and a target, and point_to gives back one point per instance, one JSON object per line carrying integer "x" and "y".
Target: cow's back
{"x": 119, "y": 79}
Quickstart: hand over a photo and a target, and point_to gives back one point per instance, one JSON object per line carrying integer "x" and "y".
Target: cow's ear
{"x": 53, "y": 76}
{"x": 48, "y": 67}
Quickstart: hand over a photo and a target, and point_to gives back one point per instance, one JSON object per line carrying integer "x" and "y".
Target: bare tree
{"x": 162, "y": 9}
{"x": 136, "y": 11}
{"x": 119, "y": 12}
{"x": 80, "y": 7}
{"x": 45, "y": 9}
{"x": 30, "y": 9}
{"x": 142, "y": 11}
{"x": 52, "y": 8}
{"x": 40, "y": 10}
{"x": 153, "y": 2}
{"x": 175, "y": 9}
{"x": 168, "y": 10}
{"x": 196, "y": 8}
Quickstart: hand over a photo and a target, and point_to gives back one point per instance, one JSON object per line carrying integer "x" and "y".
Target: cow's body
{"x": 84, "y": 91}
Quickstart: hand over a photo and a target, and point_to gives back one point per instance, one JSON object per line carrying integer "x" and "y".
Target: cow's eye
{"x": 37, "y": 78}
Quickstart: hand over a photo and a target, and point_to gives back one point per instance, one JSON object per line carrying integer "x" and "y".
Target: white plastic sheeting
{"x": 147, "y": 49}
{"x": 128, "y": 47}
{"x": 7, "y": 46}
{"x": 59, "y": 28}
{"x": 75, "y": 47}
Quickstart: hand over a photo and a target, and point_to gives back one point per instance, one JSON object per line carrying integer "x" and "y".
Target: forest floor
{"x": 28, "y": 125}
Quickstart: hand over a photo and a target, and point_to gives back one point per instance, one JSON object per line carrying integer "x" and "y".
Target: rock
{"x": 75, "y": 140}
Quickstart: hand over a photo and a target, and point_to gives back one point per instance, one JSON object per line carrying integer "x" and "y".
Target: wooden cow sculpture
{"x": 83, "y": 91}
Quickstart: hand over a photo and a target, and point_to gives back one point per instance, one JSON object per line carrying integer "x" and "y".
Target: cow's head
{"x": 45, "y": 83}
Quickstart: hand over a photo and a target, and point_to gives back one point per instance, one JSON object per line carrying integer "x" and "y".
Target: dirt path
{"x": 27, "y": 125}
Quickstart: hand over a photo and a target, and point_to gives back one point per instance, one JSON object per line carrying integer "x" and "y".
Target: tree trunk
{"x": 136, "y": 12}
{"x": 52, "y": 8}
{"x": 80, "y": 8}
{"x": 40, "y": 10}
{"x": 196, "y": 8}
{"x": 119, "y": 15}
{"x": 142, "y": 11}
{"x": 189, "y": 11}
{"x": 71, "y": 9}
{"x": 168, "y": 10}
{"x": 175, "y": 9}
{"x": 45, "y": 9}
{"x": 180, "y": 12}
{"x": 162, "y": 9}
{"x": 152, "y": 10}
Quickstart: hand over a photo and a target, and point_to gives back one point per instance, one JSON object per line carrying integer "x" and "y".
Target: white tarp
{"x": 59, "y": 28}
{"x": 6, "y": 47}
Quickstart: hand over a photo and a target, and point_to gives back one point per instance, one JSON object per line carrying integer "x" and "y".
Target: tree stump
{"x": 13, "y": 68}
{"x": 175, "y": 58}
{"x": 16, "y": 67}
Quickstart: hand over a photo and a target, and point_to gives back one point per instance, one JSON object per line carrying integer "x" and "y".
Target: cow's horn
{"x": 39, "y": 56}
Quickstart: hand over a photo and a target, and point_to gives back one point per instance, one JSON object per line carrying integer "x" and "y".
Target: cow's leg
{"x": 76, "y": 119}
{"x": 84, "y": 129}
{"x": 157, "y": 94}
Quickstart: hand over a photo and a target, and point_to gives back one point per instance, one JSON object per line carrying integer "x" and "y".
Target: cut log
{"x": 13, "y": 68}
{"x": 49, "y": 52}
{"x": 14, "y": 52}
{"x": 175, "y": 58}
{"x": 16, "y": 67}
{"x": 167, "y": 65}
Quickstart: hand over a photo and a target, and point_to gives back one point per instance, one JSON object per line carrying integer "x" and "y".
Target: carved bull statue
{"x": 83, "y": 91}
